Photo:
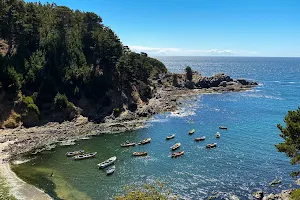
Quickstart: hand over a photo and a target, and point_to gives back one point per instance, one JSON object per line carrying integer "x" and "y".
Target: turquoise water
{"x": 244, "y": 161}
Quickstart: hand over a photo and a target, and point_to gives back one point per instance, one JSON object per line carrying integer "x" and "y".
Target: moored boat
{"x": 176, "y": 154}
{"x": 111, "y": 170}
{"x": 107, "y": 162}
{"x": 218, "y": 135}
{"x": 74, "y": 153}
{"x": 192, "y": 131}
{"x": 175, "y": 146}
{"x": 85, "y": 156}
{"x": 148, "y": 140}
{"x": 200, "y": 139}
{"x": 223, "y": 127}
{"x": 170, "y": 137}
{"x": 128, "y": 144}
{"x": 140, "y": 153}
{"x": 208, "y": 146}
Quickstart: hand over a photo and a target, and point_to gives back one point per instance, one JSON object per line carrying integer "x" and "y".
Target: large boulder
{"x": 213, "y": 81}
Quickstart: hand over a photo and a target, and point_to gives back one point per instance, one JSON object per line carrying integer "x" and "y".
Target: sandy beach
{"x": 18, "y": 188}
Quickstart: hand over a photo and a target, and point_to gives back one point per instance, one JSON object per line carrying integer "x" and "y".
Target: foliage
{"x": 61, "y": 102}
{"x": 29, "y": 105}
{"x": 189, "y": 73}
{"x": 12, "y": 121}
{"x": 51, "y": 49}
{"x": 4, "y": 191}
{"x": 295, "y": 195}
{"x": 291, "y": 135}
{"x": 156, "y": 191}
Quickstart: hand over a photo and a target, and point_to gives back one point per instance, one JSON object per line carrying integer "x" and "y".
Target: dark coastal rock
{"x": 213, "y": 81}
{"x": 223, "y": 84}
{"x": 283, "y": 195}
{"x": 189, "y": 84}
{"x": 258, "y": 195}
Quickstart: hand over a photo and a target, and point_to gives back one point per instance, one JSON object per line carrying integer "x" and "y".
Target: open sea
{"x": 244, "y": 161}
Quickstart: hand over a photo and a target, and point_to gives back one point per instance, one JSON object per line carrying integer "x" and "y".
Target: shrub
{"x": 156, "y": 191}
{"x": 61, "y": 102}
{"x": 189, "y": 73}
{"x": 13, "y": 120}
{"x": 295, "y": 195}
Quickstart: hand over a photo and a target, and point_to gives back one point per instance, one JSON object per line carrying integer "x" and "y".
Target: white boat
{"x": 111, "y": 170}
{"x": 213, "y": 145}
{"x": 85, "y": 156}
{"x": 74, "y": 153}
{"x": 175, "y": 146}
{"x": 107, "y": 162}
{"x": 218, "y": 135}
{"x": 200, "y": 139}
{"x": 170, "y": 137}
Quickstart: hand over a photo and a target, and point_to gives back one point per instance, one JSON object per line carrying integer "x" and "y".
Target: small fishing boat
{"x": 107, "y": 162}
{"x": 176, "y": 154}
{"x": 74, "y": 153}
{"x": 223, "y": 127}
{"x": 140, "y": 153}
{"x": 200, "y": 139}
{"x": 148, "y": 140}
{"x": 111, "y": 170}
{"x": 175, "y": 146}
{"x": 218, "y": 135}
{"x": 170, "y": 137}
{"x": 192, "y": 131}
{"x": 85, "y": 156}
{"x": 213, "y": 145}
{"x": 128, "y": 144}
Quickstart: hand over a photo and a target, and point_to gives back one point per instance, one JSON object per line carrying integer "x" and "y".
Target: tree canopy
{"x": 291, "y": 135}
{"x": 49, "y": 49}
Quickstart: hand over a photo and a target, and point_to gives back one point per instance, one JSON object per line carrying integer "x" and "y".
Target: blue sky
{"x": 201, "y": 27}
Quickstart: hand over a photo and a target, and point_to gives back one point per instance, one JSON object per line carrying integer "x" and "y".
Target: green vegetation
{"x": 53, "y": 50}
{"x": 4, "y": 191}
{"x": 156, "y": 191}
{"x": 295, "y": 195}
{"x": 189, "y": 73}
{"x": 291, "y": 135}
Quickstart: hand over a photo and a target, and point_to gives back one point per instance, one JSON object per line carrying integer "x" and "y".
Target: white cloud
{"x": 192, "y": 52}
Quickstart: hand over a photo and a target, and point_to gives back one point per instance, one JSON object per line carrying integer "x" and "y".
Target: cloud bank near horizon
{"x": 191, "y": 52}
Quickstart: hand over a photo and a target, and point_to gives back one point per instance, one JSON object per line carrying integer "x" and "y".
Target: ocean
{"x": 244, "y": 161}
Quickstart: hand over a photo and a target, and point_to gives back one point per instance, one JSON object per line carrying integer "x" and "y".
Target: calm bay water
{"x": 244, "y": 161}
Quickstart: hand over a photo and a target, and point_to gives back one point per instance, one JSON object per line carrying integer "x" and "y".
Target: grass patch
{"x": 4, "y": 191}
{"x": 295, "y": 195}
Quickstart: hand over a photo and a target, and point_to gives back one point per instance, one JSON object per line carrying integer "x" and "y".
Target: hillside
{"x": 56, "y": 63}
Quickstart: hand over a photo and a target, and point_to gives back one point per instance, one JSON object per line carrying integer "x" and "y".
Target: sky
{"x": 268, "y": 28}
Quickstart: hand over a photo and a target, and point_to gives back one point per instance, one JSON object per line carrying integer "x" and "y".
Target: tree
{"x": 291, "y": 135}
{"x": 189, "y": 73}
